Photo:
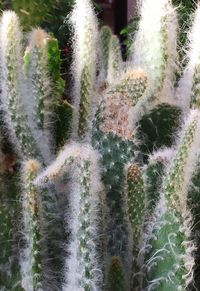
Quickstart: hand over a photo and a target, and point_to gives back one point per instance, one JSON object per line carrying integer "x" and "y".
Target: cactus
{"x": 84, "y": 24}
{"x": 152, "y": 176}
{"x": 116, "y": 277}
{"x": 83, "y": 267}
{"x": 115, "y": 209}
{"x": 136, "y": 203}
{"x": 105, "y": 35}
{"x": 31, "y": 258}
{"x": 40, "y": 82}
{"x": 170, "y": 262}
{"x": 188, "y": 92}
{"x": 12, "y": 85}
{"x": 158, "y": 128}
{"x": 133, "y": 83}
{"x": 154, "y": 49}
{"x": 10, "y": 278}
{"x": 114, "y": 60}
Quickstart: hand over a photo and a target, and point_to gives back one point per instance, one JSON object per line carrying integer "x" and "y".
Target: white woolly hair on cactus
{"x": 184, "y": 161}
{"x": 78, "y": 154}
{"x": 155, "y": 42}
{"x": 165, "y": 154}
{"x": 39, "y": 81}
{"x": 10, "y": 24}
{"x": 184, "y": 90}
{"x": 85, "y": 50}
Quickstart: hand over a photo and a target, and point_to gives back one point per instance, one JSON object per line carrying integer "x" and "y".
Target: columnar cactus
{"x": 83, "y": 267}
{"x": 152, "y": 175}
{"x": 31, "y": 267}
{"x": 105, "y": 35}
{"x": 12, "y": 85}
{"x": 154, "y": 49}
{"x": 116, "y": 276}
{"x": 188, "y": 90}
{"x": 135, "y": 202}
{"x": 42, "y": 110}
{"x": 84, "y": 24}
{"x": 115, "y": 210}
{"x": 169, "y": 261}
{"x": 114, "y": 60}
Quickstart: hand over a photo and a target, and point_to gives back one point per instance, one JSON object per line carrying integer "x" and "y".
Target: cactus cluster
{"x": 101, "y": 194}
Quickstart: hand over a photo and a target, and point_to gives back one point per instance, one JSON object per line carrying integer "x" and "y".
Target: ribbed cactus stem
{"x": 170, "y": 262}
{"x": 105, "y": 35}
{"x": 116, "y": 276}
{"x": 84, "y": 24}
{"x": 152, "y": 174}
{"x": 54, "y": 67}
{"x": 133, "y": 83}
{"x": 177, "y": 180}
{"x": 83, "y": 265}
{"x": 188, "y": 90}
{"x": 40, "y": 77}
{"x": 135, "y": 202}
{"x": 114, "y": 60}
{"x": 41, "y": 108}
{"x": 31, "y": 259}
{"x": 154, "y": 49}
{"x": 13, "y": 87}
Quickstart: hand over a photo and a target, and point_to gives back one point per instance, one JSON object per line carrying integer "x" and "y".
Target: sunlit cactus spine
{"x": 31, "y": 264}
{"x": 105, "y": 35}
{"x": 84, "y": 66}
{"x": 13, "y": 85}
{"x": 170, "y": 262}
{"x": 116, "y": 276}
{"x": 115, "y": 63}
{"x": 83, "y": 269}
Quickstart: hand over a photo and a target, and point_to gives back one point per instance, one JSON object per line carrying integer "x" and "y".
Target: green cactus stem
{"x": 31, "y": 267}
{"x": 152, "y": 174}
{"x": 13, "y": 87}
{"x": 114, "y": 60}
{"x": 105, "y": 35}
{"x": 10, "y": 278}
{"x": 84, "y": 24}
{"x": 170, "y": 259}
{"x": 154, "y": 50}
{"x": 135, "y": 202}
{"x": 116, "y": 276}
{"x": 83, "y": 265}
